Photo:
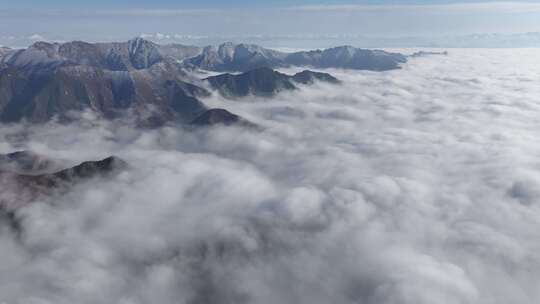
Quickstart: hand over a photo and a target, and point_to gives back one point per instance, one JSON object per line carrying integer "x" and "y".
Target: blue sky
{"x": 6, "y": 4}
{"x": 205, "y": 21}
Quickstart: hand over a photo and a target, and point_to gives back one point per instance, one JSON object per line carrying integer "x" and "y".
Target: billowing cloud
{"x": 410, "y": 186}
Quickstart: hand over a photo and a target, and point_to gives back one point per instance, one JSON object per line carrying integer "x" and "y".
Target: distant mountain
{"x": 347, "y": 57}
{"x": 426, "y": 53}
{"x": 214, "y": 117}
{"x": 179, "y": 52}
{"x": 50, "y": 79}
{"x": 263, "y": 82}
{"x": 245, "y": 57}
{"x": 134, "y": 54}
{"x": 309, "y": 77}
{"x": 150, "y": 81}
{"x": 235, "y": 57}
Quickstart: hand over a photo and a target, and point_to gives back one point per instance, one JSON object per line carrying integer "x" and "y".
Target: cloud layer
{"x": 411, "y": 186}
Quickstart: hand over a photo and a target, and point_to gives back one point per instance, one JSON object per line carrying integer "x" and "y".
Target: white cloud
{"x": 408, "y": 186}
{"x": 36, "y": 37}
{"x": 472, "y": 7}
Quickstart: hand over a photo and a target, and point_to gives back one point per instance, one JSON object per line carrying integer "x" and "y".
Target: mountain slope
{"x": 134, "y": 54}
{"x": 223, "y": 117}
{"x": 263, "y": 82}
{"x": 26, "y": 187}
{"x": 347, "y": 57}
{"x": 41, "y": 95}
{"x": 235, "y": 57}
{"x": 85, "y": 170}
{"x": 148, "y": 80}
{"x": 179, "y": 52}
{"x": 50, "y": 79}
{"x": 309, "y": 77}
{"x": 245, "y": 57}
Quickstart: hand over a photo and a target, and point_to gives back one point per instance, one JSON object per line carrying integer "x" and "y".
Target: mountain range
{"x": 245, "y": 57}
{"x": 153, "y": 82}
{"x": 263, "y": 82}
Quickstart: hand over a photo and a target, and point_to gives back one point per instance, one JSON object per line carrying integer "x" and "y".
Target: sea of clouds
{"x": 414, "y": 186}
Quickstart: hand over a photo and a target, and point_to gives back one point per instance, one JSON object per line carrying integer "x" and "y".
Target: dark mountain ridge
{"x": 235, "y": 57}
{"x": 347, "y": 57}
{"x": 222, "y": 117}
{"x": 26, "y": 187}
{"x": 148, "y": 80}
{"x": 263, "y": 82}
{"x": 244, "y": 57}
{"x": 51, "y": 79}
{"x": 135, "y": 54}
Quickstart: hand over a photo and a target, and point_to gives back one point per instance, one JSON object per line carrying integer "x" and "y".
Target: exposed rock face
{"x": 214, "y": 117}
{"x": 263, "y": 82}
{"x": 84, "y": 170}
{"x": 242, "y": 57}
{"x": 347, "y": 57}
{"x": 143, "y": 53}
{"x": 88, "y": 169}
{"x": 24, "y": 188}
{"x": 37, "y": 97}
{"x": 116, "y": 56}
{"x": 50, "y": 79}
{"x": 236, "y": 57}
{"x": 147, "y": 80}
{"x": 309, "y": 77}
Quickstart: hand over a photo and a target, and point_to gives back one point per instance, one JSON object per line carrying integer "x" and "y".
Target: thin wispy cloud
{"x": 470, "y": 7}
{"x": 473, "y": 7}
{"x": 373, "y": 20}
